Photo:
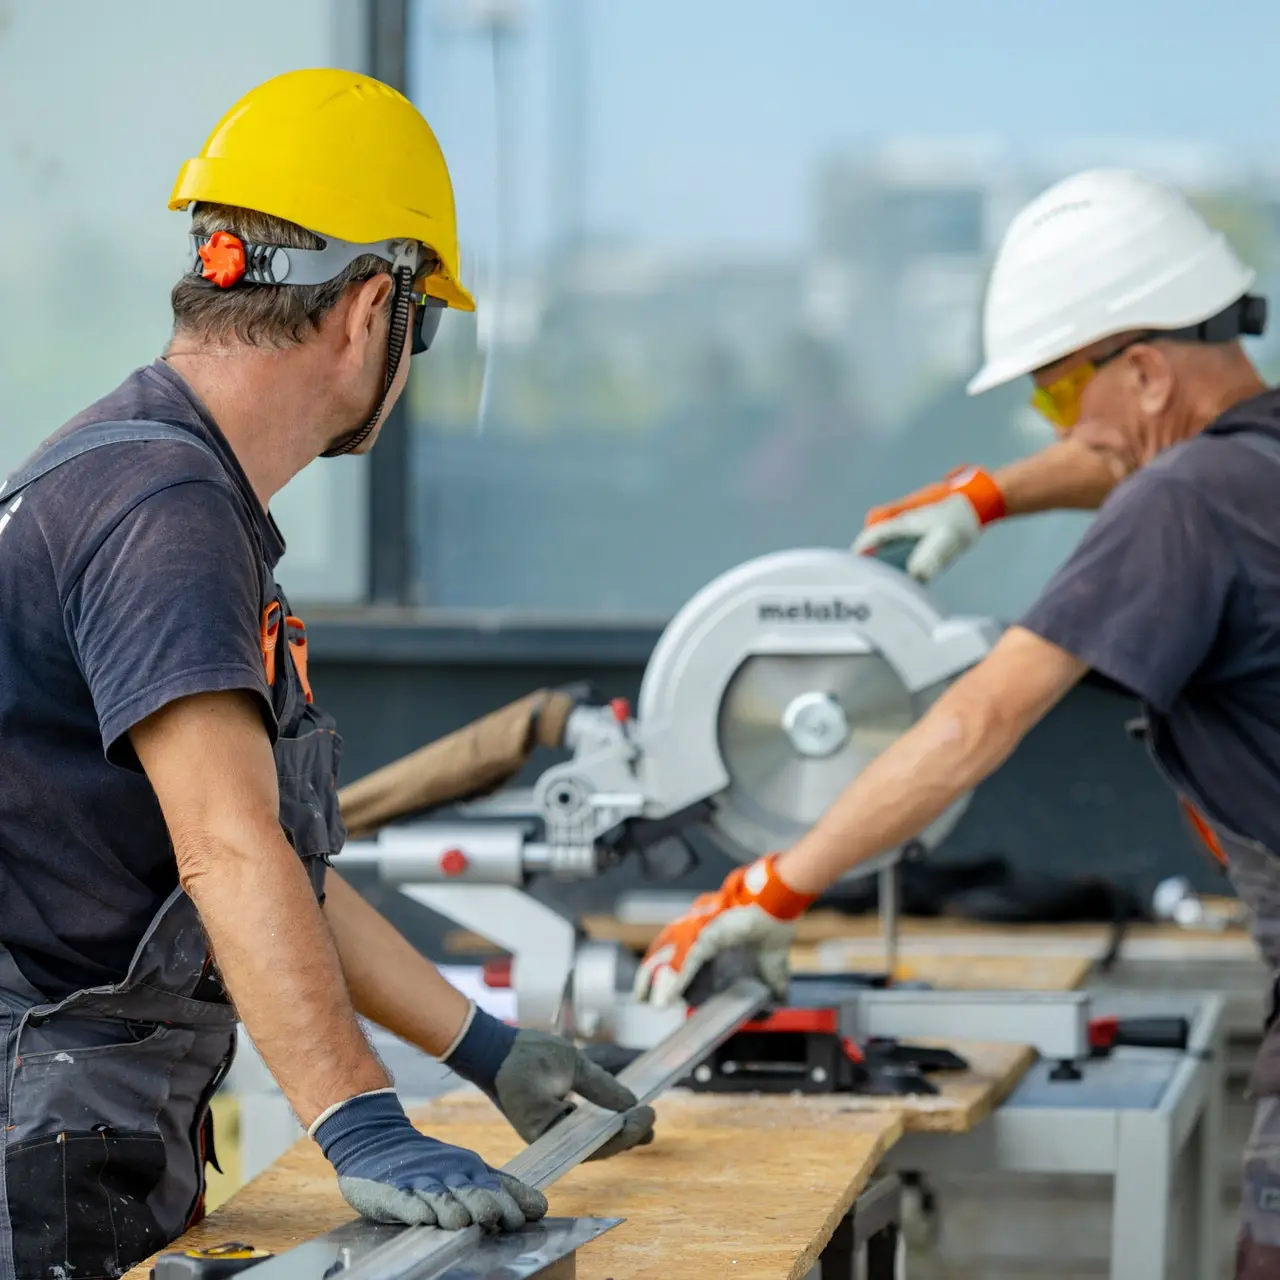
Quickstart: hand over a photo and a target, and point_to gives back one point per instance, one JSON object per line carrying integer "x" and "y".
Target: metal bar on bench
{"x": 1055, "y": 1024}
{"x": 590, "y": 1127}
{"x": 419, "y": 1253}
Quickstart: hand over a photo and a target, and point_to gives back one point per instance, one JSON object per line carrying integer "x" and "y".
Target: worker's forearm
{"x": 1066, "y": 475}
{"x": 277, "y": 959}
{"x": 899, "y": 794}
{"x": 390, "y": 981}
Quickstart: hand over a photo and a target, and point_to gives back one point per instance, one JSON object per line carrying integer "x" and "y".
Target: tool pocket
{"x": 78, "y": 1202}
{"x": 307, "y": 768}
{"x": 308, "y": 748}
{"x": 74, "y": 1073}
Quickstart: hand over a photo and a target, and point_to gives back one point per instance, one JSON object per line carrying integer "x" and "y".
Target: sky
{"x": 707, "y": 118}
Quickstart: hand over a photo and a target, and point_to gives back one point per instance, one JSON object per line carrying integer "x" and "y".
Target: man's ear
{"x": 366, "y": 314}
{"x": 1152, "y": 371}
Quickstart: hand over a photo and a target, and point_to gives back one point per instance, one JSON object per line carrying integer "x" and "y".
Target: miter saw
{"x": 763, "y": 699}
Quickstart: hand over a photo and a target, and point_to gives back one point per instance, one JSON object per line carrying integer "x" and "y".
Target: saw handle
{"x": 719, "y": 974}
{"x": 1106, "y": 1034}
{"x": 896, "y": 552}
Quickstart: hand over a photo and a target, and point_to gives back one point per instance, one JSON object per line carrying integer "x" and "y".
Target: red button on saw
{"x": 453, "y": 862}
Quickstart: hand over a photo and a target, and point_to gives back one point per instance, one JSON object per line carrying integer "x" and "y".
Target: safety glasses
{"x": 1059, "y": 402}
{"x": 427, "y": 322}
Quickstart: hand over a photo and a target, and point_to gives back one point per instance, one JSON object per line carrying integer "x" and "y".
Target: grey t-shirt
{"x": 1174, "y": 593}
{"x": 129, "y": 577}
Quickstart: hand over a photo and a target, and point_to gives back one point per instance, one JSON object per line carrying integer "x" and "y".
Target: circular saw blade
{"x": 776, "y": 790}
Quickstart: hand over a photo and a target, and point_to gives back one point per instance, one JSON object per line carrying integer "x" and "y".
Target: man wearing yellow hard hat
{"x": 168, "y": 796}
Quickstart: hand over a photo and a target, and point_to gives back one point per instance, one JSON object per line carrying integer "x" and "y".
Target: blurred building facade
{"x": 655, "y": 418}
{"x": 652, "y": 414}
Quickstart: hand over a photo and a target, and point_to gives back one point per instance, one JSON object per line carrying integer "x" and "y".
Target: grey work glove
{"x": 530, "y": 1075}
{"x": 389, "y": 1172}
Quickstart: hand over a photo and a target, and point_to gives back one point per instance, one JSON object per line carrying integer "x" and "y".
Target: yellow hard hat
{"x": 340, "y": 154}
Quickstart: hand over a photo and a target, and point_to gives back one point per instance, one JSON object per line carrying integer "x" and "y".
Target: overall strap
{"x": 94, "y": 437}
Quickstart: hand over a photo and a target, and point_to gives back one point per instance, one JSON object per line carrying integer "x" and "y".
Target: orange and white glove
{"x": 943, "y": 519}
{"x": 752, "y": 909}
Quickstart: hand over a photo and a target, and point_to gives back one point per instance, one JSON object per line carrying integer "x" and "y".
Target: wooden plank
{"x": 955, "y": 972}
{"x": 756, "y": 1185}
{"x": 966, "y": 1098}
{"x": 1033, "y": 968}
{"x": 824, "y": 926}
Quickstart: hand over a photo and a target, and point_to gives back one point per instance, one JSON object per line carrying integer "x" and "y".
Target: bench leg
{"x": 882, "y": 1254}
{"x": 839, "y": 1257}
{"x": 872, "y": 1224}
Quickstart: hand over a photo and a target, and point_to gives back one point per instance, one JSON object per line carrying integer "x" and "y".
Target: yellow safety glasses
{"x": 1059, "y": 402}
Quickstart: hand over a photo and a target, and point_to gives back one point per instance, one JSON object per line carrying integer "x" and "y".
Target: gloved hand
{"x": 946, "y": 518}
{"x": 389, "y": 1172}
{"x": 754, "y": 909}
{"x": 530, "y": 1074}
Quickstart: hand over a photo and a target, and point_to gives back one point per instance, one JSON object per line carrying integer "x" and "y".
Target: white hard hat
{"x": 1100, "y": 253}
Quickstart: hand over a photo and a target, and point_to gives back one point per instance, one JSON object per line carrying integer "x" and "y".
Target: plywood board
{"x": 854, "y": 942}
{"x": 752, "y": 1185}
{"x": 964, "y": 965}
{"x": 966, "y": 1098}
{"x": 823, "y": 926}
{"x": 954, "y": 972}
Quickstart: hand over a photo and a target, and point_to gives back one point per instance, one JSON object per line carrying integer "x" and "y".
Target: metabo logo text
{"x": 815, "y": 611}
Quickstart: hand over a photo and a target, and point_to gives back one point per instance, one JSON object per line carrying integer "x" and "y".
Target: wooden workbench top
{"x": 757, "y": 1185}
{"x": 927, "y": 932}
{"x": 753, "y": 1182}
{"x": 952, "y": 972}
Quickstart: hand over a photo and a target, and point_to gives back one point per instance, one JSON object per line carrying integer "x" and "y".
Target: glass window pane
{"x": 730, "y": 257}
{"x": 99, "y": 105}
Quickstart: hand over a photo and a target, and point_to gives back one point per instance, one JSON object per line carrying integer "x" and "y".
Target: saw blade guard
{"x": 776, "y": 685}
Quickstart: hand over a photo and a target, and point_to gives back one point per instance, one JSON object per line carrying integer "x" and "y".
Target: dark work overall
{"x": 105, "y": 1125}
{"x": 1254, "y": 871}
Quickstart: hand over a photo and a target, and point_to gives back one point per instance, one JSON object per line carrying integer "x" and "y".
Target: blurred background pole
{"x": 568, "y": 66}
{"x": 390, "y": 463}
{"x": 499, "y": 22}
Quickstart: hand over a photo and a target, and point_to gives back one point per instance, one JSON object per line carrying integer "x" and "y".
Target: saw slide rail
{"x": 420, "y": 1253}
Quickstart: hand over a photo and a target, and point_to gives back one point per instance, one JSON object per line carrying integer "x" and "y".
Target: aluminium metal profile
{"x": 421, "y": 1253}
{"x": 590, "y": 1127}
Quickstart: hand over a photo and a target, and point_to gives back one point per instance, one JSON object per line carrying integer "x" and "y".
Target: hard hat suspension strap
{"x": 397, "y": 336}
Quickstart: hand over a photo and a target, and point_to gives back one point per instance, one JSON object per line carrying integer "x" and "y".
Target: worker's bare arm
{"x": 210, "y": 763}
{"x": 966, "y": 735}
{"x": 391, "y": 982}
{"x": 1066, "y": 475}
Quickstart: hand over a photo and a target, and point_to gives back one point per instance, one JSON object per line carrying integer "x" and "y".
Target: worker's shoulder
{"x": 106, "y": 482}
{"x": 171, "y": 482}
{"x": 157, "y": 438}
{"x": 1228, "y": 461}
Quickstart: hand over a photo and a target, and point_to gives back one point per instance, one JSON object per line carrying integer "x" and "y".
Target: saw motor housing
{"x": 766, "y": 695}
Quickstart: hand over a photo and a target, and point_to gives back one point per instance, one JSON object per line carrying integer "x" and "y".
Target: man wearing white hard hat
{"x": 1126, "y": 310}
{"x": 1129, "y": 254}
